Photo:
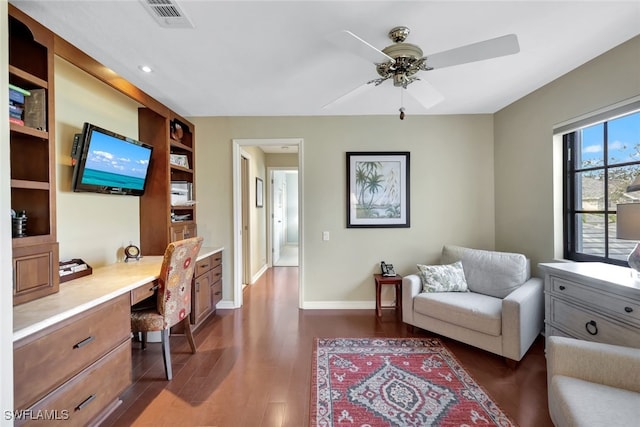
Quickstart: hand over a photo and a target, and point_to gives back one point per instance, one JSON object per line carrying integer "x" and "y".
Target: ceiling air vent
{"x": 167, "y": 13}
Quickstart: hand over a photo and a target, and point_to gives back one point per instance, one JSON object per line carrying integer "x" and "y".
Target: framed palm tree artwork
{"x": 378, "y": 189}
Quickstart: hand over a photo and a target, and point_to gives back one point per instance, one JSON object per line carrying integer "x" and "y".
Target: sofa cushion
{"x": 442, "y": 278}
{"x": 582, "y": 403}
{"x": 490, "y": 273}
{"x": 470, "y": 310}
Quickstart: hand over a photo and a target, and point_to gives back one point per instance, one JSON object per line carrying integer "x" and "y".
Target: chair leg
{"x": 166, "y": 354}
{"x": 189, "y": 334}
{"x": 143, "y": 339}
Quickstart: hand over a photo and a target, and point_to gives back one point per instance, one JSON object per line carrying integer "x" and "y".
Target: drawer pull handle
{"x": 591, "y": 327}
{"x": 84, "y": 342}
{"x": 628, "y": 309}
{"x": 85, "y": 402}
{"x": 562, "y": 288}
{"x": 204, "y": 266}
{"x": 218, "y": 293}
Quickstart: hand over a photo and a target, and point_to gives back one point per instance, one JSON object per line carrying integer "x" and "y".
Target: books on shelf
{"x": 28, "y": 107}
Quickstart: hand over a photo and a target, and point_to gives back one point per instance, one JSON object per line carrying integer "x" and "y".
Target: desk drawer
{"x": 43, "y": 361}
{"x": 143, "y": 292}
{"x": 590, "y": 326}
{"x": 619, "y": 307}
{"x": 204, "y": 265}
{"x": 82, "y": 398}
{"x": 216, "y": 293}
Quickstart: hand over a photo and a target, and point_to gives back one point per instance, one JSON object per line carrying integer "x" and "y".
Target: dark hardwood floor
{"x": 253, "y": 365}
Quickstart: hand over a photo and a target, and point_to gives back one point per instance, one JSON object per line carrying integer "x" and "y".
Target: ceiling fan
{"x": 401, "y": 62}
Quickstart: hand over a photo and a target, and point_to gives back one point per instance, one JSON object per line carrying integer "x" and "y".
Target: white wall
{"x": 452, "y": 199}
{"x": 6, "y": 276}
{"x": 524, "y": 146}
{"x": 94, "y": 227}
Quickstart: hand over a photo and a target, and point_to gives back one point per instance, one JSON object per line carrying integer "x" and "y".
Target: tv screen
{"x": 110, "y": 163}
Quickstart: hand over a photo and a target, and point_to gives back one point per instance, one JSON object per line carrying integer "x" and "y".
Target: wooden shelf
{"x": 180, "y": 145}
{"x": 181, "y": 168}
{"x": 30, "y": 185}
{"x": 28, "y": 78}
{"x": 26, "y": 130}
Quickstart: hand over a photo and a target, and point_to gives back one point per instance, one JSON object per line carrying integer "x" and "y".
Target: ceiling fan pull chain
{"x": 401, "y": 104}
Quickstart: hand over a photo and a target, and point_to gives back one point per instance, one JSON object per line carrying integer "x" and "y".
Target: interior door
{"x": 278, "y": 214}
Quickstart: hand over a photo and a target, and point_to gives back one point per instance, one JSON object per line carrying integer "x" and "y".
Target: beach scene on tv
{"x": 112, "y": 162}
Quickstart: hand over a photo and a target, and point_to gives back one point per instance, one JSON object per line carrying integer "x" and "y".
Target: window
{"x": 601, "y": 160}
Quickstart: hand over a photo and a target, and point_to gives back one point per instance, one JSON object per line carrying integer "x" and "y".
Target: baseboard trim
{"x": 260, "y": 272}
{"x": 342, "y": 305}
{"x": 225, "y": 304}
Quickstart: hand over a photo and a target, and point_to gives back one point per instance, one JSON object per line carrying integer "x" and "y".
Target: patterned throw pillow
{"x": 443, "y": 278}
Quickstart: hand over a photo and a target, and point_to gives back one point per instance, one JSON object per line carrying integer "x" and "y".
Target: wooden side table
{"x": 388, "y": 280}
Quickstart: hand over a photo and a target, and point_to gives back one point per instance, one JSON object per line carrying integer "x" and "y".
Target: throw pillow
{"x": 443, "y": 278}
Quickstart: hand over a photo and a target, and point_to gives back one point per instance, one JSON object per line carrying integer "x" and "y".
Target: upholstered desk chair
{"x": 173, "y": 298}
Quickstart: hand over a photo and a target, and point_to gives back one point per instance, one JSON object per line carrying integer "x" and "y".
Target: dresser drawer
{"x": 623, "y": 309}
{"x": 45, "y": 360}
{"x": 82, "y": 398}
{"x": 590, "y": 326}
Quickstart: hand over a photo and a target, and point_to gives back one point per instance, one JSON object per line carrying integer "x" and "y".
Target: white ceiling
{"x": 268, "y": 58}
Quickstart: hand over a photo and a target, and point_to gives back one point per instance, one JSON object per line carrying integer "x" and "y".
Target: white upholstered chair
{"x": 592, "y": 384}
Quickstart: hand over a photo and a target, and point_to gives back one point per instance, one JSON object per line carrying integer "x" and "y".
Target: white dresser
{"x": 592, "y": 301}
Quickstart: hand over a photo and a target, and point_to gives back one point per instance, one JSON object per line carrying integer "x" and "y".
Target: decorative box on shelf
{"x": 73, "y": 269}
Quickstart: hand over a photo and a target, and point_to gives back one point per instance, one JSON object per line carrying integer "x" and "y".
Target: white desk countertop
{"x": 84, "y": 293}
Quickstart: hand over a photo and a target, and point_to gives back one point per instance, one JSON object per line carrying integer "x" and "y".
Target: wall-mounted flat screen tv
{"x": 106, "y": 162}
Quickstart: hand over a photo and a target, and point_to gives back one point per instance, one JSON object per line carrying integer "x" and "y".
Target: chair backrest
{"x": 174, "y": 282}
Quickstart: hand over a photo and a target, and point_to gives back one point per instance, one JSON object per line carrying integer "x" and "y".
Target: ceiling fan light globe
{"x": 407, "y": 50}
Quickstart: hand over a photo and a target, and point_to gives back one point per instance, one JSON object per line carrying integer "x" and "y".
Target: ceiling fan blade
{"x": 492, "y": 48}
{"x": 352, "y": 93}
{"x": 347, "y": 40}
{"x": 424, "y": 92}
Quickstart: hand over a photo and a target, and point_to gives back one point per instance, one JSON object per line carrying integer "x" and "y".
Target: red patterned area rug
{"x": 371, "y": 382}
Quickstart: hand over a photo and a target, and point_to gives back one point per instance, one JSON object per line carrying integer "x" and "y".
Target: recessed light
{"x": 145, "y": 68}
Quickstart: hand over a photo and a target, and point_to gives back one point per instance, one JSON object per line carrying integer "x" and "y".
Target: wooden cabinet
{"x": 206, "y": 290}
{"x": 207, "y": 287}
{"x": 164, "y": 215}
{"x": 592, "y": 301}
{"x": 180, "y": 231}
{"x": 32, "y": 157}
{"x": 77, "y": 367}
{"x": 35, "y": 270}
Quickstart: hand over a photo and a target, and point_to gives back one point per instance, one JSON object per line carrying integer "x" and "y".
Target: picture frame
{"x": 259, "y": 193}
{"x": 179, "y": 160}
{"x": 378, "y": 193}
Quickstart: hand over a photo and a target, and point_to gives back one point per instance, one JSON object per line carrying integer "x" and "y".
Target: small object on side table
{"x": 388, "y": 280}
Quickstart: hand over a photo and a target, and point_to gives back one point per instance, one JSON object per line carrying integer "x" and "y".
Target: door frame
{"x": 237, "y": 211}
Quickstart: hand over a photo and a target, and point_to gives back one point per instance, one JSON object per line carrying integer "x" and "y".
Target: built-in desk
{"x": 72, "y": 351}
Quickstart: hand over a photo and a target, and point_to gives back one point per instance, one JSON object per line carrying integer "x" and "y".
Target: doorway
{"x": 241, "y": 248}
{"x": 284, "y": 217}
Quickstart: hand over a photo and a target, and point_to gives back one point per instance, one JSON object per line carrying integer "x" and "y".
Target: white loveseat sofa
{"x": 502, "y": 312}
{"x": 592, "y": 384}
